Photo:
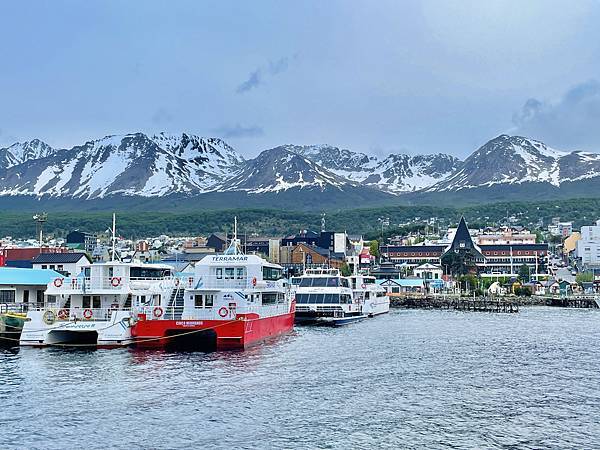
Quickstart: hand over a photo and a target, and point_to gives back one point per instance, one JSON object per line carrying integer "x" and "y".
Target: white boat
{"x": 372, "y": 297}
{"x": 325, "y": 297}
{"x": 95, "y": 308}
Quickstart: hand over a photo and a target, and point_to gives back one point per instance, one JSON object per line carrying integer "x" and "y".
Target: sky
{"x": 377, "y": 77}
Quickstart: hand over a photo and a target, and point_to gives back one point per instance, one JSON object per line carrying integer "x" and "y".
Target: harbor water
{"x": 409, "y": 379}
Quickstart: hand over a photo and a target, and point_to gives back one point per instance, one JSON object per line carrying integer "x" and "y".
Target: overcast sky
{"x": 372, "y": 76}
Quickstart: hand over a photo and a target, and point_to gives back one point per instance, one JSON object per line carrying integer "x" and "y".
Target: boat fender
{"x": 254, "y": 281}
{"x": 87, "y": 314}
{"x": 115, "y": 281}
{"x": 223, "y": 311}
{"x": 58, "y": 282}
{"x": 63, "y": 314}
{"x": 48, "y": 317}
{"x": 157, "y": 312}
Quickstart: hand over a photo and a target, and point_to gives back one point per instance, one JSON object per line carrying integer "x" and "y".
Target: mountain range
{"x": 209, "y": 172}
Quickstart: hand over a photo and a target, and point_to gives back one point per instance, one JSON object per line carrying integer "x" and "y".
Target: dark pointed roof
{"x": 463, "y": 241}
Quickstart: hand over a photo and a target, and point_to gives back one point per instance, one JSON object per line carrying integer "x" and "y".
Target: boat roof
{"x": 132, "y": 264}
{"x": 18, "y": 276}
{"x": 235, "y": 260}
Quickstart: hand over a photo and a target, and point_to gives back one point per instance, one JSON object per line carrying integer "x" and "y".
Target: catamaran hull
{"x": 78, "y": 334}
{"x": 311, "y": 319}
{"x": 239, "y": 333}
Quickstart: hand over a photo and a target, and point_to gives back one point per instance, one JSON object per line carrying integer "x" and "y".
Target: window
{"x": 240, "y": 275}
{"x": 198, "y": 301}
{"x": 229, "y": 271}
{"x": 26, "y": 296}
{"x": 44, "y": 266}
{"x": 86, "y": 302}
{"x": 60, "y": 267}
{"x": 148, "y": 273}
{"x": 96, "y": 304}
{"x": 269, "y": 298}
{"x": 271, "y": 273}
{"x": 219, "y": 273}
{"x": 7, "y": 296}
{"x": 209, "y": 300}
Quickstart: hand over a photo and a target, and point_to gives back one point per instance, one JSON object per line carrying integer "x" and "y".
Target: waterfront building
{"x": 491, "y": 260}
{"x": 67, "y": 264}
{"x": 24, "y": 286}
{"x": 80, "y": 240}
{"x": 588, "y": 247}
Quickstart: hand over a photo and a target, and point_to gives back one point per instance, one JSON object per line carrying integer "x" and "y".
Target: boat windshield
{"x": 323, "y": 298}
{"x": 148, "y": 272}
{"x": 320, "y": 282}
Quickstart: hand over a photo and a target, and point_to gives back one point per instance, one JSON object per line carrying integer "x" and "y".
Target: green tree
{"x": 345, "y": 269}
{"x": 459, "y": 263}
{"x": 374, "y": 248}
{"x": 524, "y": 273}
{"x": 584, "y": 277}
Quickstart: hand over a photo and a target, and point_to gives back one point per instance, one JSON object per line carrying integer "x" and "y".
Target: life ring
{"x": 364, "y": 286}
{"x": 115, "y": 281}
{"x": 58, "y": 282}
{"x": 223, "y": 311}
{"x": 48, "y": 317}
{"x": 254, "y": 281}
{"x": 157, "y": 312}
{"x": 87, "y": 314}
{"x": 63, "y": 314}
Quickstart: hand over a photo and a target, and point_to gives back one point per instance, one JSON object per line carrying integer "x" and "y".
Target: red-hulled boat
{"x": 231, "y": 302}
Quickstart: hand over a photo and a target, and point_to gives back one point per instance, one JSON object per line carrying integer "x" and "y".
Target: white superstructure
{"x": 372, "y": 297}
{"x": 324, "y": 296}
{"x": 97, "y": 307}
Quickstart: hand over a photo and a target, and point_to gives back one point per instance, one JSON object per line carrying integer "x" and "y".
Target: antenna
{"x": 40, "y": 219}
{"x": 114, "y": 238}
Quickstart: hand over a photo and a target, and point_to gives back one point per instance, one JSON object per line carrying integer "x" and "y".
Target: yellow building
{"x": 570, "y": 243}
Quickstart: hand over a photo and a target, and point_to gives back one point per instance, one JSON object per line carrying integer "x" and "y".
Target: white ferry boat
{"x": 95, "y": 308}
{"x": 325, "y": 297}
{"x": 370, "y": 295}
{"x": 232, "y": 301}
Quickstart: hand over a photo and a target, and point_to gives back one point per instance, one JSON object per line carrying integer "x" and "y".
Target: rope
{"x": 62, "y": 344}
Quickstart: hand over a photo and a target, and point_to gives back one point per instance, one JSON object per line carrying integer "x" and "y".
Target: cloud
{"x": 253, "y": 81}
{"x": 161, "y": 116}
{"x": 239, "y": 131}
{"x": 571, "y": 122}
{"x": 259, "y": 76}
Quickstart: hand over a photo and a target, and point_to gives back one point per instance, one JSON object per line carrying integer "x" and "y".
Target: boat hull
{"x": 239, "y": 333}
{"x": 313, "y": 319}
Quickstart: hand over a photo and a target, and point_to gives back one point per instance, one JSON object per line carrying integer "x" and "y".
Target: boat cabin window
{"x": 323, "y": 298}
{"x": 86, "y": 302}
{"x": 295, "y": 281}
{"x": 229, "y": 272}
{"x": 219, "y": 273}
{"x": 96, "y": 303}
{"x": 147, "y": 272}
{"x": 320, "y": 282}
{"x": 345, "y": 283}
{"x": 204, "y": 300}
{"x": 269, "y": 298}
{"x": 271, "y": 273}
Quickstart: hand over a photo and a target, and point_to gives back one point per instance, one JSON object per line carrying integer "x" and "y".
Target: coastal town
{"x": 495, "y": 261}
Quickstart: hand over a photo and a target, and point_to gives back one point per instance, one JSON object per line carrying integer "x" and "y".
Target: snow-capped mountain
{"x": 516, "y": 160}
{"x": 20, "y": 152}
{"x": 280, "y": 169}
{"x": 133, "y": 164}
{"x": 396, "y": 174}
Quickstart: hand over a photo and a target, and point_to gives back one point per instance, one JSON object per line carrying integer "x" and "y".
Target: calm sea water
{"x": 411, "y": 379}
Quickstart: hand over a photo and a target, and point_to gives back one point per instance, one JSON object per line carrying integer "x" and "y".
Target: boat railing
{"x": 114, "y": 283}
{"x": 14, "y": 307}
{"x": 218, "y": 312}
{"x": 80, "y": 314}
{"x": 214, "y": 282}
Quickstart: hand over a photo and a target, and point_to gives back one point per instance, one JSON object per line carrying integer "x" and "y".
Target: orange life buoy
{"x": 157, "y": 312}
{"x": 223, "y": 311}
{"x": 87, "y": 313}
{"x": 58, "y": 282}
{"x": 63, "y": 314}
{"x": 115, "y": 281}
{"x": 254, "y": 281}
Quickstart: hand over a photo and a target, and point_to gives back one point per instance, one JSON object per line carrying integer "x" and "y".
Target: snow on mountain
{"x": 280, "y": 169}
{"x": 20, "y": 152}
{"x": 132, "y": 164}
{"x": 396, "y": 174}
{"x": 513, "y": 160}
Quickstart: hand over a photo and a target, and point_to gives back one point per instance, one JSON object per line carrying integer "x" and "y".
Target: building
{"x": 428, "y": 271}
{"x": 329, "y": 240}
{"x": 502, "y": 259}
{"x": 80, "y": 240}
{"x": 563, "y": 229}
{"x": 25, "y": 285}
{"x": 588, "y": 247}
{"x": 67, "y": 264}
{"x": 9, "y": 255}
{"x": 296, "y": 258}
